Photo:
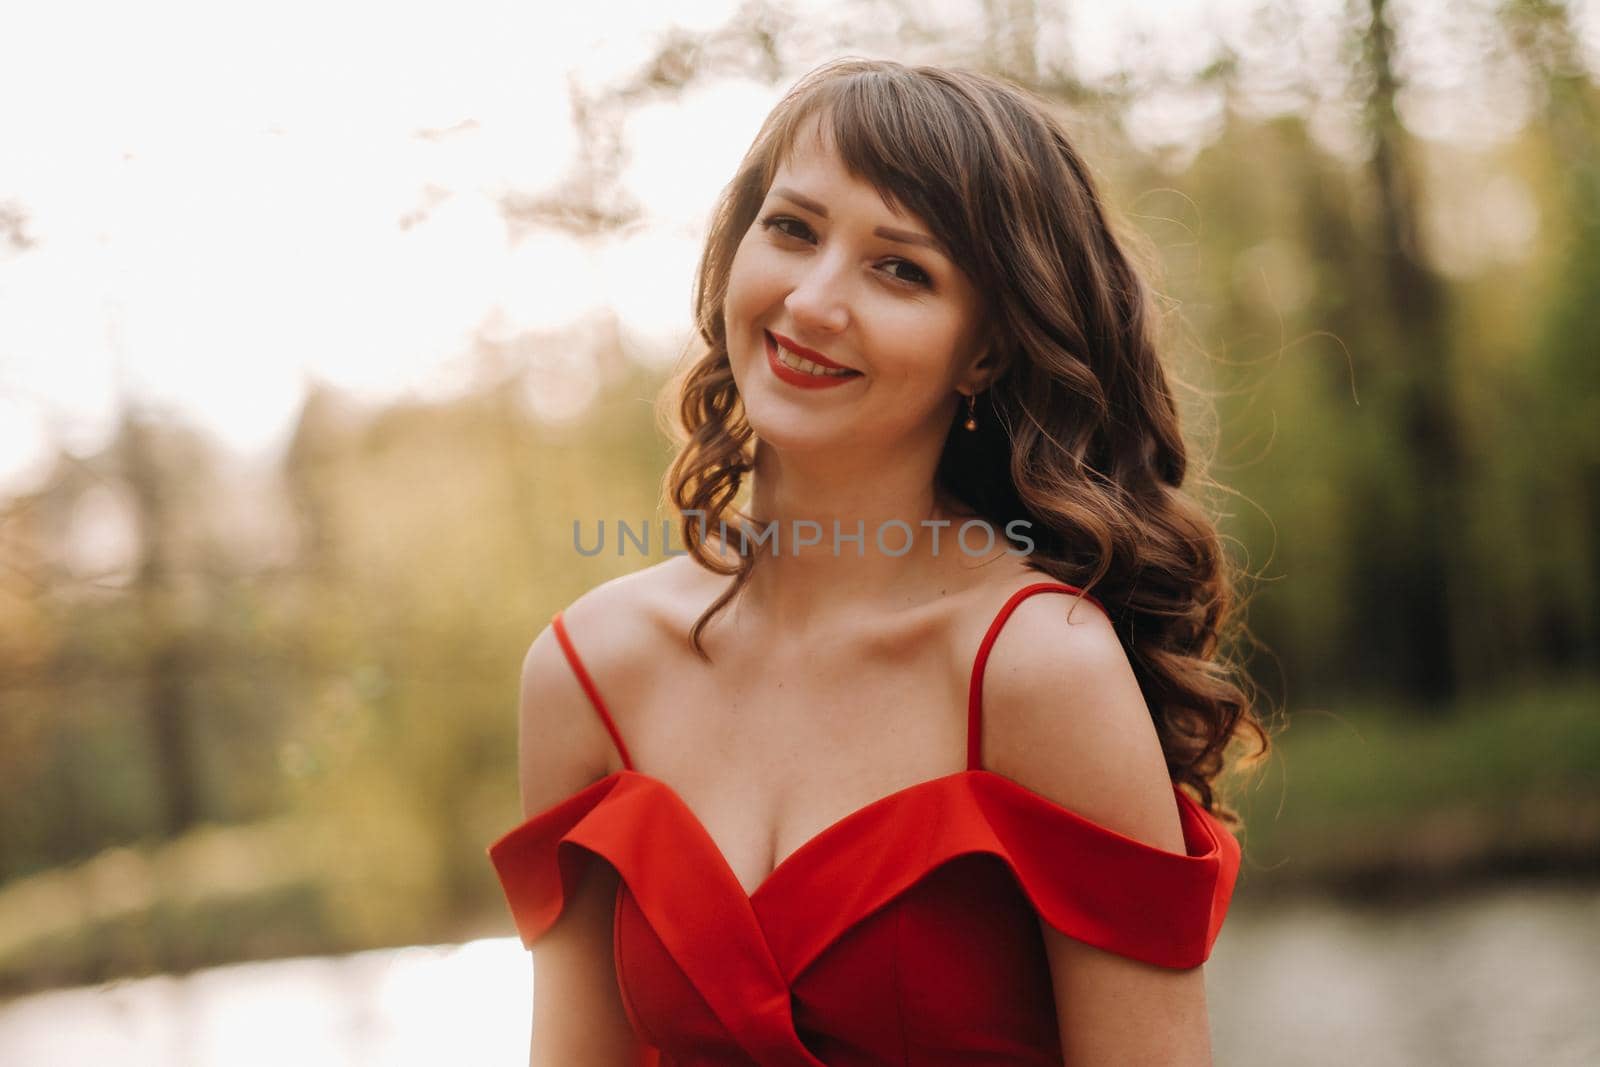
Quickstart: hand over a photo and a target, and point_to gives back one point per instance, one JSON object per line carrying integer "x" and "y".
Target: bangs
{"x": 901, "y": 134}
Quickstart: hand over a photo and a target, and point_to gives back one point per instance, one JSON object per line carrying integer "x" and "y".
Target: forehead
{"x": 812, "y": 164}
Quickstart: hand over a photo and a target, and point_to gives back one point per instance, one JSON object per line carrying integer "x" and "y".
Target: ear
{"x": 981, "y": 371}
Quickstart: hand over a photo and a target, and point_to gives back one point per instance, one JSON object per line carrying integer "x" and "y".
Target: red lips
{"x": 808, "y": 353}
{"x": 802, "y": 379}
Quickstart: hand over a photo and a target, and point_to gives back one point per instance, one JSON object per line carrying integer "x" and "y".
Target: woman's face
{"x": 827, "y": 268}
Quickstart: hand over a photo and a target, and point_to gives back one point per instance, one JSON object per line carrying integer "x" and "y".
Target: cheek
{"x": 920, "y": 346}
{"x": 749, "y": 278}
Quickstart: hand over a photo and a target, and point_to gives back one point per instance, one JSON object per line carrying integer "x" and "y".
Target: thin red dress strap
{"x": 975, "y": 689}
{"x": 589, "y": 688}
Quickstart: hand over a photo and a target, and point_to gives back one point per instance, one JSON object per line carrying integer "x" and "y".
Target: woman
{"x": 845, "y": 784}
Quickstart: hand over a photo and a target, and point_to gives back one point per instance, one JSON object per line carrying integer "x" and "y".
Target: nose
{"x": 819, "y": 299}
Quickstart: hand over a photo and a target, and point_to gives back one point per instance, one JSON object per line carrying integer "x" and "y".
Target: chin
{"x": 785, "y": 436}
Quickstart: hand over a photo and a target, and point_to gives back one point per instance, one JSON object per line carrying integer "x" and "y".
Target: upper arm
{"x": 578, "y": 1015}
{"x": 1064, "y": 717}
{"x": 561, "y": 743}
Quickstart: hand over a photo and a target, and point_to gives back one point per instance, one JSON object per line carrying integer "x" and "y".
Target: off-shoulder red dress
{"x": 905, "y": 933}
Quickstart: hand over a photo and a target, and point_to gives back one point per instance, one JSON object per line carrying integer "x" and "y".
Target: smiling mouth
{"x": 802, "y": 365}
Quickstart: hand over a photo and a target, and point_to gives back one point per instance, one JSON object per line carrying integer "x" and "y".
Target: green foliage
{"x": 1368, "y": 793}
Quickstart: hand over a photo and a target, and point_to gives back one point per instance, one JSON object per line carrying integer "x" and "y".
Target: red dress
{"x": 905, "y": 933}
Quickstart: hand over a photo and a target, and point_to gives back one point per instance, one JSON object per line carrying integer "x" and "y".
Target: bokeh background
{"x": 321, "y": 324}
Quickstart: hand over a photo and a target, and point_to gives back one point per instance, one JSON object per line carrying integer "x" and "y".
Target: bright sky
{"x": 217, "y": 203}
{"x": 222, "y": 203}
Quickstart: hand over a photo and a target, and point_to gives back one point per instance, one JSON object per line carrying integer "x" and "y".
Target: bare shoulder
{"x": 621, "y": 634}
{"x": 620, "y": 625}
{"x": 1064, "y": 716}
{"x": 611, "y": 629}
{"x": 608, "y": 620}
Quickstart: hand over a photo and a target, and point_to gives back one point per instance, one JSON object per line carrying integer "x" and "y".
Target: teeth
{"x": 805, "y": 366}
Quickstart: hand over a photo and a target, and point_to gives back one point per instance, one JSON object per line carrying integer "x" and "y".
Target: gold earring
{"x": 972, "y": 404}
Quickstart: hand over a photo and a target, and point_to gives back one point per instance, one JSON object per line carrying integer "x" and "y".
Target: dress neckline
{"x": 841, "y": 825}
{"x": 1086, "y": 880}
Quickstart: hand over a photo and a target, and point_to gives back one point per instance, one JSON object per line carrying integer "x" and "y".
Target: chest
{"x": 768, "y": 750}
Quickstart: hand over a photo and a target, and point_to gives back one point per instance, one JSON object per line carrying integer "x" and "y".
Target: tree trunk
{"x": 165, "y": 694}
{"x": 1433, "y": 468}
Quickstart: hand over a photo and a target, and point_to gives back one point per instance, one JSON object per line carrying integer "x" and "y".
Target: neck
{"x": 894, "y": 533}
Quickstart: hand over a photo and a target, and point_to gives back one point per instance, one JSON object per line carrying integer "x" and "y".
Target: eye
{"x": 914, "y": 275}
{"x": 787, "y": 225}
{"x": 902, "y": 271}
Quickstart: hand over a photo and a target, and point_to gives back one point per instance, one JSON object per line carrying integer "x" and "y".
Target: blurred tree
{"x": 1011, "y": 42}
{"x": 1562, "y": 454}
{"x": 1432, "y": 574}
{"x": 169, "y": 662}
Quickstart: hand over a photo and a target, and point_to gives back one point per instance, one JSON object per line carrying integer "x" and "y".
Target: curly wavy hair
{"x": 1079, "y": 432}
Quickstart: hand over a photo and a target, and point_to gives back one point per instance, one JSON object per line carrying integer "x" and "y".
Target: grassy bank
{"x": 1373, "y": 799}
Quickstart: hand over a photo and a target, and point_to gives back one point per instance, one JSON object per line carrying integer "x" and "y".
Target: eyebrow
{"x": 903, "y": 236}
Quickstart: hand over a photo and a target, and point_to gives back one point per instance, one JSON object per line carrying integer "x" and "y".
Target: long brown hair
{"x": 1078, "y": 433}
